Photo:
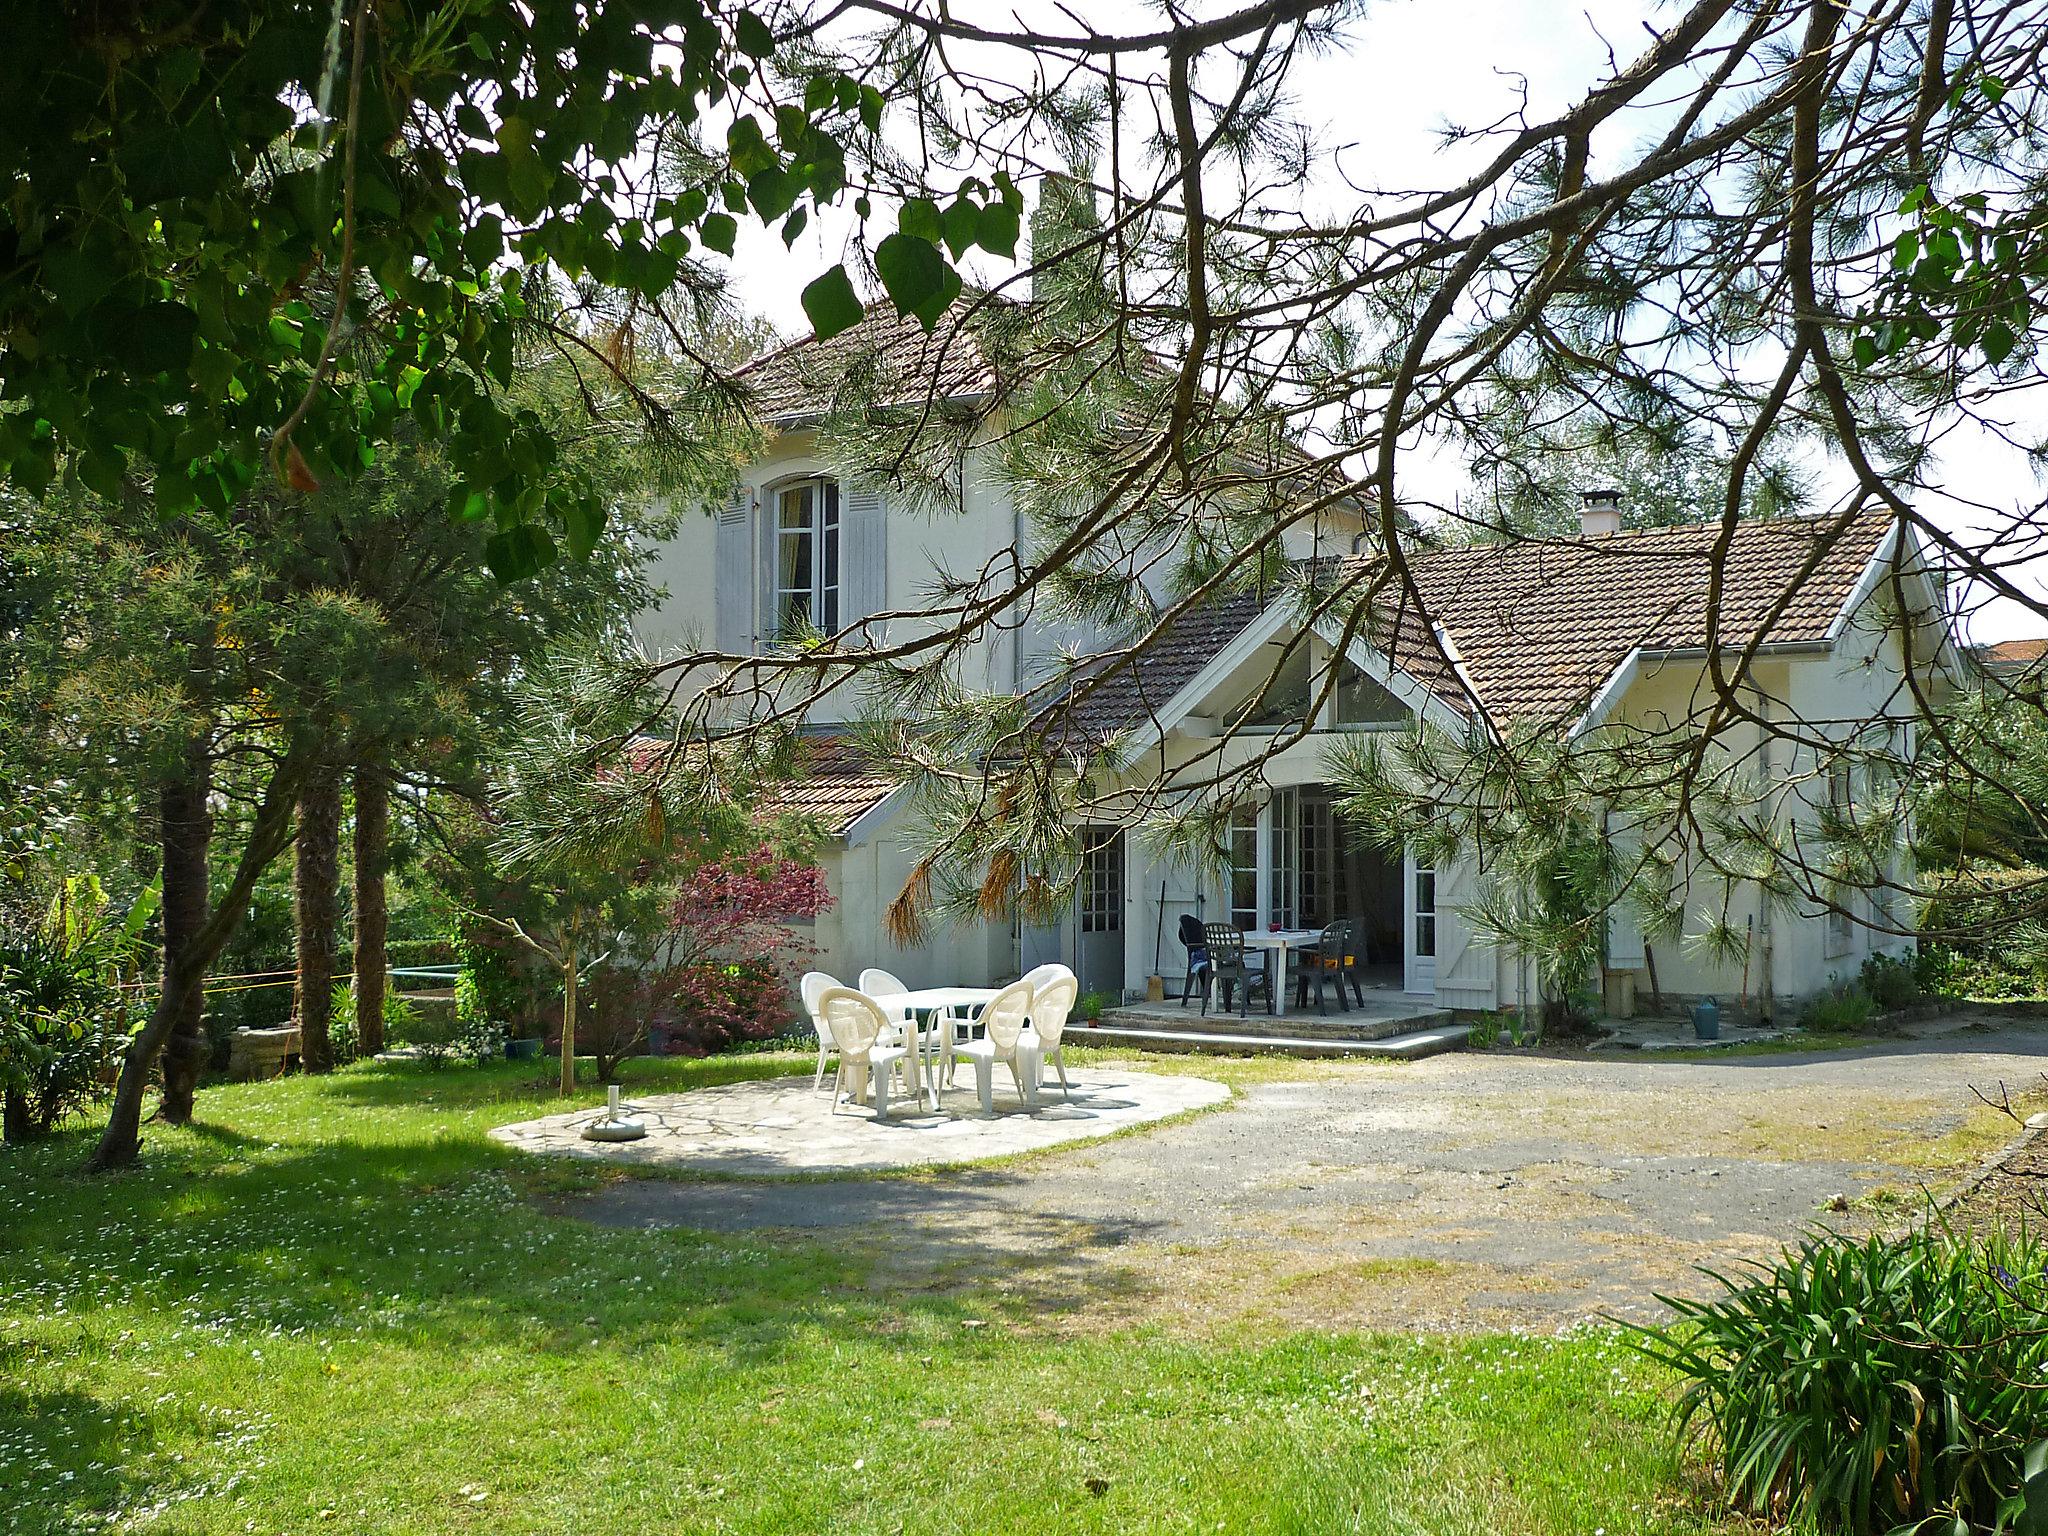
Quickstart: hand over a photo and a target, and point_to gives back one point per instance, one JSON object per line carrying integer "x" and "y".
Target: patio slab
{"x": 781, "y": 1127}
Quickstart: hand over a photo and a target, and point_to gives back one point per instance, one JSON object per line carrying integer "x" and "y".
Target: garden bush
{"x": 1843, "y": 1007}
{"x": 439, "y": 1034}
{"x": 343, "y": 1038}
{"x": 1891, "y": 982}
{"x": 614, "y": 1004}
{"x": 64, "y": 1014}
{"x": 2002, "y": 975}
{"x": 1871, "y": 1385}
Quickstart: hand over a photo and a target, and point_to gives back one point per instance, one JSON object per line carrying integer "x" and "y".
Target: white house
{"x": 1568, "y": 635}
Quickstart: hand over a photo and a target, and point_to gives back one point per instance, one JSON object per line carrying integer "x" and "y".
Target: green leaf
{"x": 830, "y": 303}
{"x": 753, "y": 35}
{"x": 962, "y": 225}
{"x": 720, "y": 230}
{"x": 518, "y": 552}
{"x": 998, "y": 231}
{"x": 159, "y": 340}
{"x": 918, "y": 279}
{"x": 921, "y": 220}
{"x": 583, "y": 521}
{"x": 1997, "y": 341}
{"x": 178, "y": 160}
{"x": 773, "y": 192}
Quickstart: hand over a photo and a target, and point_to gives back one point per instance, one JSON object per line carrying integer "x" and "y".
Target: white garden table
{"x": 1276, "y": 946}
{"x": 912, "y": 1006}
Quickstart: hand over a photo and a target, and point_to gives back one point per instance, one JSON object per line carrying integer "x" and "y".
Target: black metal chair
{"x": 1328, "y": 960}
{"x": 1226, "y": 956}
{"x": 1196, "y": 943}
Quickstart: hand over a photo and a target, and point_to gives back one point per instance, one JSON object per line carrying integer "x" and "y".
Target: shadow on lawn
{"x": 102, "y": 1450}
{"x": 404, "y": 1084}
{"x": 427, "y": 1231}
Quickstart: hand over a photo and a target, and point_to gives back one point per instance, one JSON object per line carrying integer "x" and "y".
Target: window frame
{"x": 1839, "y": 933}
{"x": 820, "y": 534}
{"x": 1101, "y": 901}
{"x": 1425, "y": 915}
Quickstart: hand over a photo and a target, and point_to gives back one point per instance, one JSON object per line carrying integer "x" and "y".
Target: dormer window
{"x": 807, "y": 558}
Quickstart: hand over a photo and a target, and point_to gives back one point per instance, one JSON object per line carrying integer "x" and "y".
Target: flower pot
{"x": 523, "y": 1050}
{"x": 1706, "y": 1020}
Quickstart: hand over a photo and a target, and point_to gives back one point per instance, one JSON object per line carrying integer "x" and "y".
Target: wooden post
{"x": 569, "y": 1016}
{"x": 1656, "y": 992}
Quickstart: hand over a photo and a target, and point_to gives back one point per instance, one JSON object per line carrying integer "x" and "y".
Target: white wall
{"x": 852, "y": 936}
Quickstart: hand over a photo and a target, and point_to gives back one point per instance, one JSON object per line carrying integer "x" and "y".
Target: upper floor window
{"x": 807, "y": 558}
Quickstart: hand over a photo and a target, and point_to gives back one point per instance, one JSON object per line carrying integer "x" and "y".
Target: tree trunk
{"x": 369, "y": 847}
{"x": 316, "y": 901}
{"x": 569, "y": 1017}
{"x": 121, "y": 1141}
{"x": 186, "y": 831}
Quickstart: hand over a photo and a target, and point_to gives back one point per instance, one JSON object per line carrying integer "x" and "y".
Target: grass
{"x": 332, "y": 1305}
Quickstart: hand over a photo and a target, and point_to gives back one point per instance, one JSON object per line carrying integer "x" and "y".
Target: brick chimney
{"x": 1599, "y": 513}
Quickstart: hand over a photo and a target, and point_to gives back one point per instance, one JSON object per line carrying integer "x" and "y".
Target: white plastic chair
{"x": 876, "y": 982}
{"x": 857, "y": 1024}
{"x": 1051, "y": 1003}
{"x": 1042, "y": 976}
{"x": 813, "y": 987}
{"x": 1006, "y": 1036}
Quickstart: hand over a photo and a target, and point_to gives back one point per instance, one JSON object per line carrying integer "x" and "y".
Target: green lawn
{"x": 332, "y": 1306}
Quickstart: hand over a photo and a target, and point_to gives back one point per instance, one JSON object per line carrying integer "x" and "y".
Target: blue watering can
{"x": 1706, "y": 1019}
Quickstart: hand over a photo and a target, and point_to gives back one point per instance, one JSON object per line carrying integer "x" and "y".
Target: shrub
{"x": 1870, "y": 1385}
{"x": 436, "y": 1035}
{"x": 1090, "y": 1007}
{"x": 1891, "y": 981}
{"x": 1842, "y": 1008}
{"x": 613, "y": 1006}
{"x": 343, "y": 1038}
{"x": 717, "y": 1003}
{"x": 1985, "y": 977}
{"x": 1484, "y": 1034}
{"x": 63, "y": 1014}
{"x": 57, "y": 1039}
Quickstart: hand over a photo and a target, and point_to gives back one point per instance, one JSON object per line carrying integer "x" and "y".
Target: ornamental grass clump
{"x": 1877, "y": 1385}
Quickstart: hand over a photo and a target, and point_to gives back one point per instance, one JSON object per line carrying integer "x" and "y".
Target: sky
{"x": 1379, "y": 101}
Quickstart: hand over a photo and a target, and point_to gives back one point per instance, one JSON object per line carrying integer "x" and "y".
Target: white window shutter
{"x": 733, "y": 565}
{"x": 863, "y": 554}
{"x": 1624, "y": 939}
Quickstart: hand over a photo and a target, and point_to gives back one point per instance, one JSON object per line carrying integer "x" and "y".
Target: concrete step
{"x": 1355, "y": 1024}
{"x": 1409, "y": 1046}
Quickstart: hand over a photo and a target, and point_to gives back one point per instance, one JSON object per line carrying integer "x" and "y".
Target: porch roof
{"x": 1528, "y": 632}
{"x": 832, "y": 784}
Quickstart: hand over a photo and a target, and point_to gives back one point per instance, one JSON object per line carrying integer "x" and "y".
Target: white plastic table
{"x": 1276, "y": 946}
{"x": 925, "y": 1000}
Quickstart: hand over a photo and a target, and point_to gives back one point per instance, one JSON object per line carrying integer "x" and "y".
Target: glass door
{"x": 1420, "y": 923}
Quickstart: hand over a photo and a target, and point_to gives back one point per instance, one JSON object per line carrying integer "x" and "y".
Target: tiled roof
{"x": 1536, "y": 626}
{"x": 886, "y": 360}
{"x": 831, "y": 783}
{"x": 1540, "y": 625}
{"x": 2013, "y": 654}
{"x": 1122, "y": 691}
{"x": 834, "y": 786}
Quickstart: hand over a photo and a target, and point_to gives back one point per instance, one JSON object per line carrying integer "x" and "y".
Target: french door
{"x": 1419, "y": 922}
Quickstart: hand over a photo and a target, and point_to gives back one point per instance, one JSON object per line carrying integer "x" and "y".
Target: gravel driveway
{"x": 1459, "y": 1192}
